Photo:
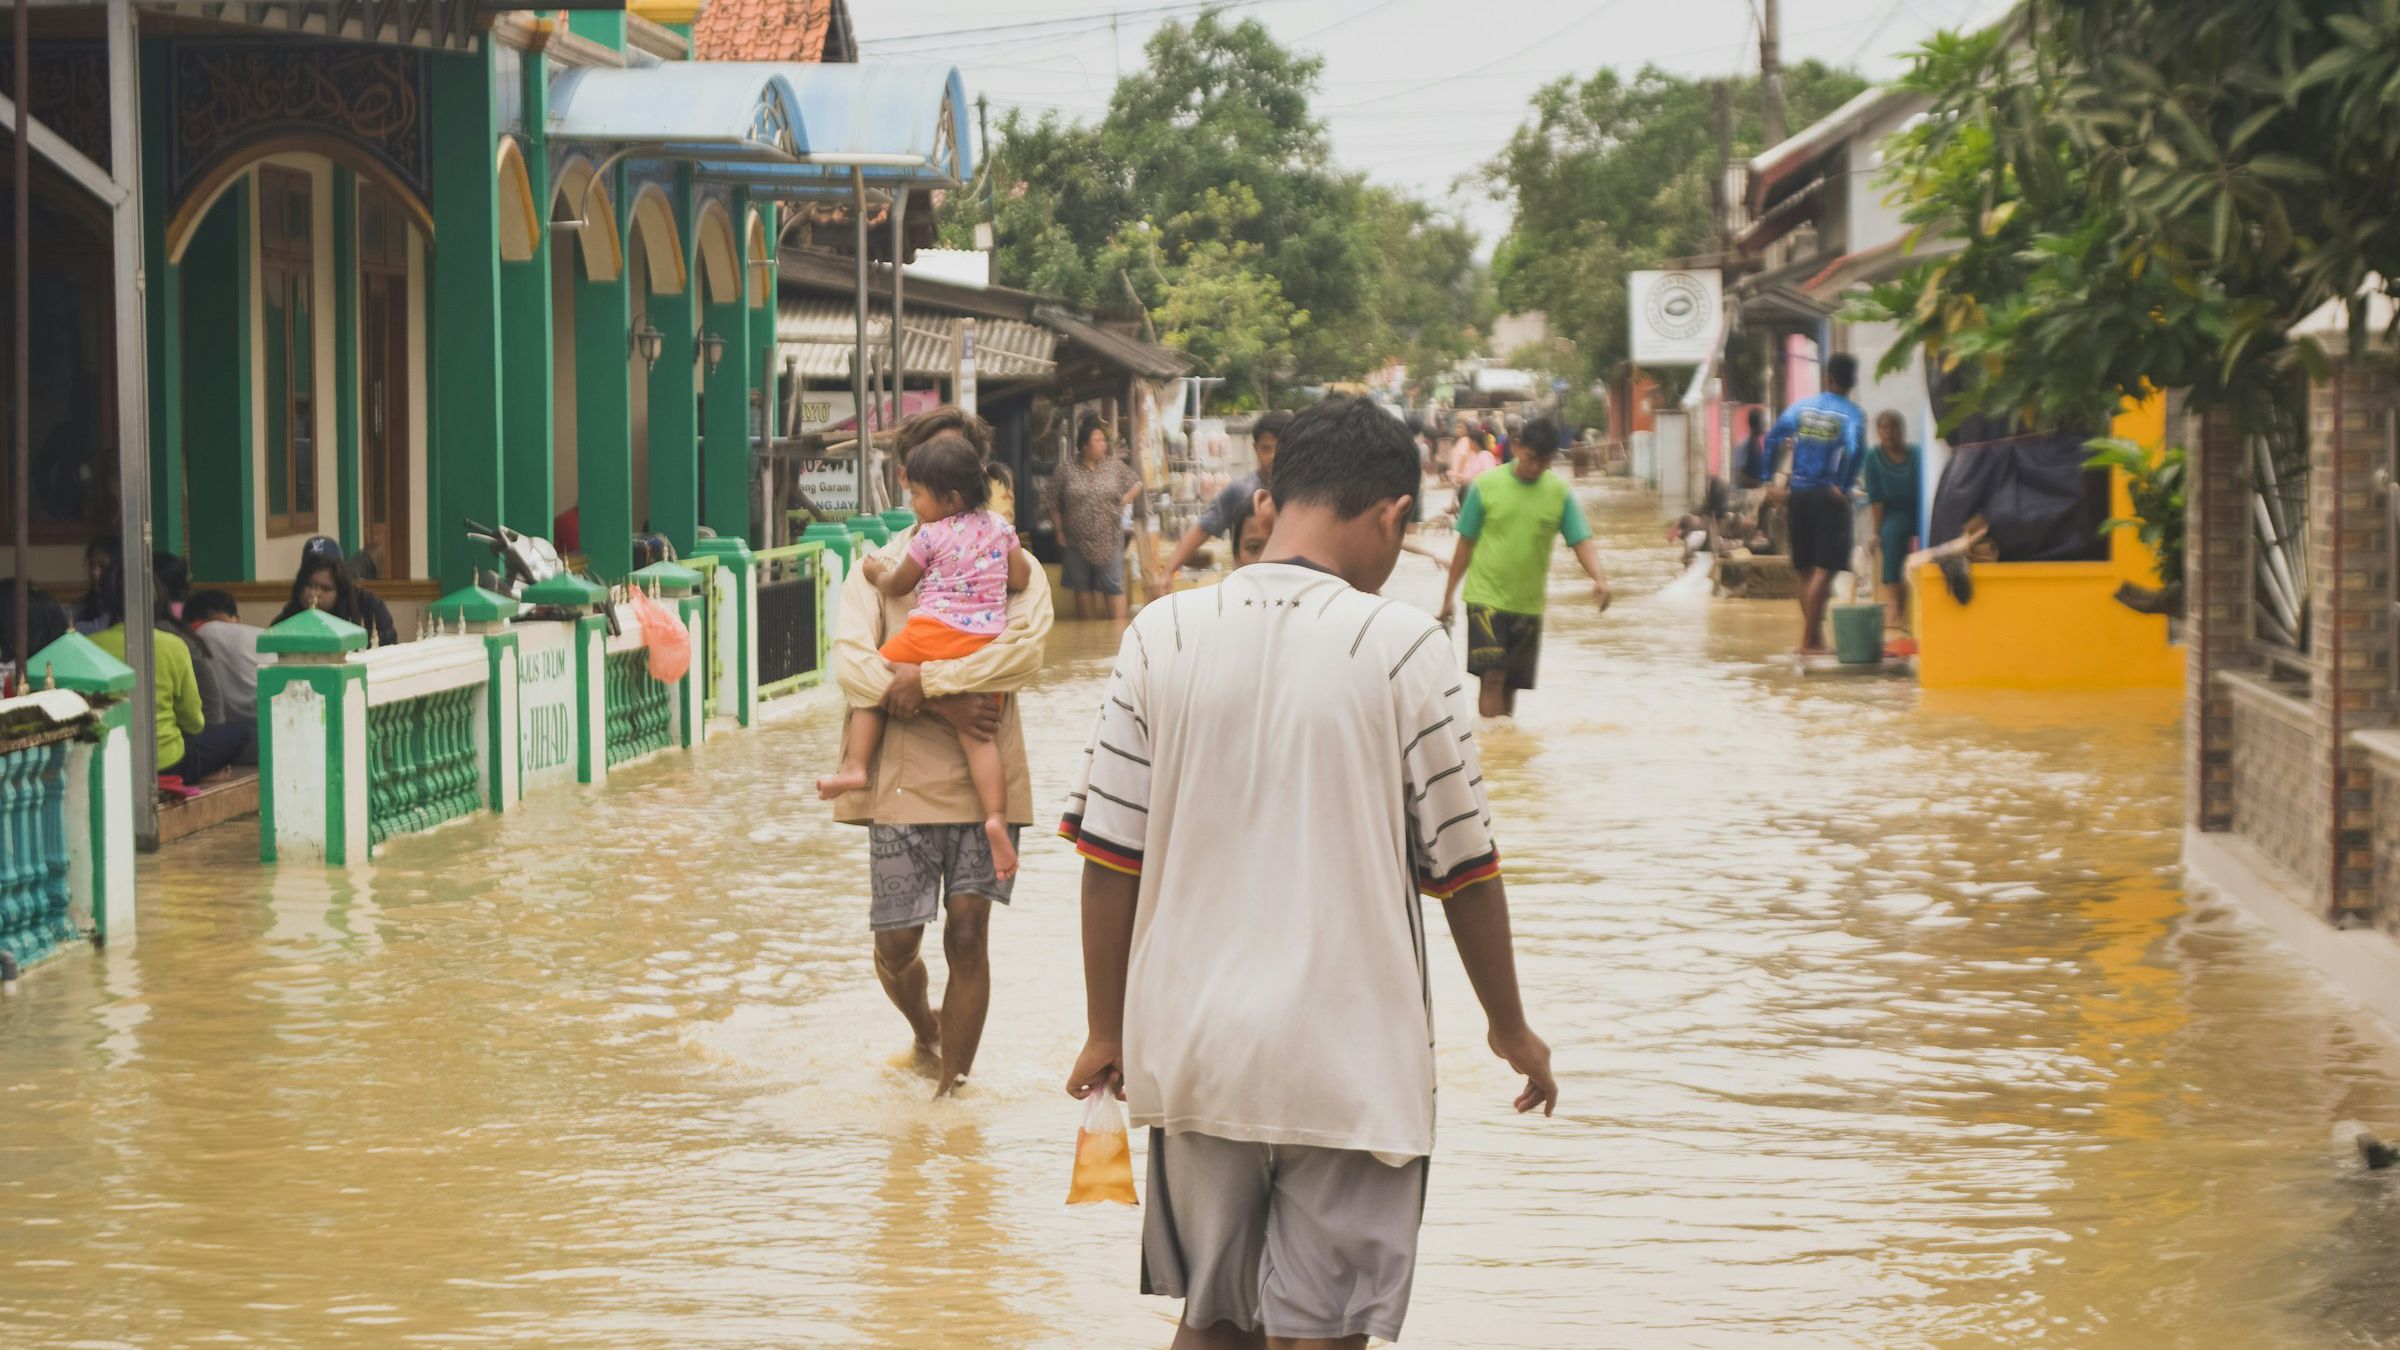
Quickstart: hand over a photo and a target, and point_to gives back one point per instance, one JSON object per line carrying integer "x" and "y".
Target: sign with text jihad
{"x": 1675, "y": 315}
{"x": 546, "y": 704}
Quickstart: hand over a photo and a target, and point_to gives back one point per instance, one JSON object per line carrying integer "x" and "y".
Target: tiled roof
{"x": 774, "y": 30}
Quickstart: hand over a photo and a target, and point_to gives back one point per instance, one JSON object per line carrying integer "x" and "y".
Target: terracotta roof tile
{"x": 771, "y": 30}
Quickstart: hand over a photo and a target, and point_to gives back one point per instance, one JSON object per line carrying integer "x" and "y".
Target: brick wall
{"x": 2387, "y": 845}
{"x": 2217, "y": 583}
{"x": 2275, "y": 762}
{"x": 2351, "y": 587}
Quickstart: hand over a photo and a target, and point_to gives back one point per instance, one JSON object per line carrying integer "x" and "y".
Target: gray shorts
{"x": 1292, "y": 1241}
{"x": 1078, "y": 573}
{"x": 913, "y": 868}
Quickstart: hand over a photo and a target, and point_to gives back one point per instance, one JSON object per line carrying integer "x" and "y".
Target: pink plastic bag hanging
{"x": 669, "y": 642}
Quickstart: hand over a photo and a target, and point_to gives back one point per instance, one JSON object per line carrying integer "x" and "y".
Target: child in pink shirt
{"x": 962, "y": 563}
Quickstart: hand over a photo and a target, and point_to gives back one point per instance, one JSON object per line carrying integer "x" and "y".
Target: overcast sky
{"x": 1415, "y": 92}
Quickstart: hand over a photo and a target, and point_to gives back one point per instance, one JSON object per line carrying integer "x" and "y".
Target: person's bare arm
{"x": 894, "y": 581}
{"x": 1588, "y": 554}
{"x": 1193, "y": 540}
{"x": 1020, "y": 570}
{"x": 1461, "y": 553}
{"x": 1109, "y": 900}
{"x": 1478, "y": 917}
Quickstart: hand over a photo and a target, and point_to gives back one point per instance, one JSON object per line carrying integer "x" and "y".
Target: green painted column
{"x": 463, "y": 345}
{"x": 606, "y": 27}
{"x": 162, "y": 316}
{"x": 525, "y": 331}
{"x": 345, "y": 356}
{"x": 674, "y": 391}
{"x": 725, "y": 394}
{"x": 604, "y": 422}
{"x": 215, "y": 373}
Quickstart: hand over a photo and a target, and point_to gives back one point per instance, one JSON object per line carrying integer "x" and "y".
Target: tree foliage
{"x": 1209, "y": 183}
{"x": 2149, "y": 195}
{"x": 1611, "y": 175}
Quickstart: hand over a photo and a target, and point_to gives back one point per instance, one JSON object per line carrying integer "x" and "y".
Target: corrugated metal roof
{"x": 1118, "y": 349}
{"x": 822, "y": 334}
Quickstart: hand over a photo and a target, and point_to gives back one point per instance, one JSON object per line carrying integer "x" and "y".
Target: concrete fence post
{"x": 99, "y": 785}
{"x": 589, "y": 660}
{"x": 678, "y": 589}
{"x": 312, "y": 741}
{"x": 499, "y": 749}
{"x": 738, "y": 578}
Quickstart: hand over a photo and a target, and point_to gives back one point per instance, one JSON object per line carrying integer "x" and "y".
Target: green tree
{"x": 1353, "y": 275}
{"x": 1611, "y": 175}
{"x": 2148, "y": 195}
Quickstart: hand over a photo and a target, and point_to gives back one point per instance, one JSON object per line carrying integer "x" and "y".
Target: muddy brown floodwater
{"x": 1881, "y": 1020}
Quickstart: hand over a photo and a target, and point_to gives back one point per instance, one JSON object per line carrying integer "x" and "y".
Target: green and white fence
{"x": 357, "y": 747}
{"x": 66, "y": 804}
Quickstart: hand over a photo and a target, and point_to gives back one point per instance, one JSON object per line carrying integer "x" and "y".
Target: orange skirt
{"x": 925, "y": 638}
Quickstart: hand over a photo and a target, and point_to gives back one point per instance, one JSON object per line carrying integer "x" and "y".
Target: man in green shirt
{"x": 1506, "y": 523}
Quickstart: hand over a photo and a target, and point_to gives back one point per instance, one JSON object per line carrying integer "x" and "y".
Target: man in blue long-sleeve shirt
{"x": 1827, "y": 434}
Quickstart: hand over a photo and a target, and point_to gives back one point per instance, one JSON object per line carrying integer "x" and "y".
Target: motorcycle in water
{"x": 525, "y": 561}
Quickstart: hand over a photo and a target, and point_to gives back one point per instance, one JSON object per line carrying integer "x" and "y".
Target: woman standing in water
{"x": 1088, "y": 497}
{"x": 1891, "y": 481}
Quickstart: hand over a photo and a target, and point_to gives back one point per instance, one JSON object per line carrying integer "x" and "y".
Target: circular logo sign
{"x": 1678, "y": 307}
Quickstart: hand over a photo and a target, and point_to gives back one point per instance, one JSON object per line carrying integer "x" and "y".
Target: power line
{"x": 1543, "y": 41}
{"x": 1369, "y": 11}
{"x": 1094, "y": 21}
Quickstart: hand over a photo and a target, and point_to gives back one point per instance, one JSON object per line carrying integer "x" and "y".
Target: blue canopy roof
{"x": 730, "y": 114}
{"x": 902, "y": 125}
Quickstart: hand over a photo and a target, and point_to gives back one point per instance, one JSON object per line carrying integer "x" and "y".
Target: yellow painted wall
{"x": 2052, "y": 626}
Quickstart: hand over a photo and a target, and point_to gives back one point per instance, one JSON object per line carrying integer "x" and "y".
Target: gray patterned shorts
{"x": 913, "y": 868}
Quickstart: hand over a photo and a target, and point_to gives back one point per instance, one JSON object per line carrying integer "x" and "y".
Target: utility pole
{"x": 1721, "y": 98}
{"x": 20, "y": 384}
{"x": 1770, "y": 70}
{"x": 991, "y": 173}
{"x": 1116, "y": 58}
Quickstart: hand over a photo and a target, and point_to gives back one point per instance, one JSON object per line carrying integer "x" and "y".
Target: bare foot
{"x": 834, "y": 785}
{"x": 1004, "y": 850}
{"x": 924, "y": 1059}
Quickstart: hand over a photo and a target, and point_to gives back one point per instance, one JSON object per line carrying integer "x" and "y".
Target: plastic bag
{"x": 669, "y": 642}
{"x": 1103, "y": 1155}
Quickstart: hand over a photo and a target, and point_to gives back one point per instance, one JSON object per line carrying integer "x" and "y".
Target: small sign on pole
{"x": 962, "y": 385}
{"x": 1676, "y": 316}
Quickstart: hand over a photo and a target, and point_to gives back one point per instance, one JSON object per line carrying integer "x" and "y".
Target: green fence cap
{"x": 76, "y": 662}
{"x": 313, "y": 632}
{"x": 723, "y": 546}
{"x": 671, "y": 578}
{"x": 899, "y": 518}
{"x": 476, "y": 605}
{"x": 566, "y": 591}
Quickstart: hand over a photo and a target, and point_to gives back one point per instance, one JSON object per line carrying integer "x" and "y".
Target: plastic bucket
{"x": 1858, "y": 634}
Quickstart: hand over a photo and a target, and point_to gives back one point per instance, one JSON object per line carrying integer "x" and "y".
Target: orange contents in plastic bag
{"x": 1103, "y": 1155}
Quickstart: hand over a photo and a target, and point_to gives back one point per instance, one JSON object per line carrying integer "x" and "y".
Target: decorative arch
{"x": 662, "y": 244}
{"x": 579, "y": 197}
{"x": 196, "y": 203}
{"x": 520, "y": 219}
{"x": 720, "y": 262}
{"x": 761, "y": 254}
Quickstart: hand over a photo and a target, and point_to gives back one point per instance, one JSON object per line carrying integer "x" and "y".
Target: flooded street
{"x": 1880, "y": 1020}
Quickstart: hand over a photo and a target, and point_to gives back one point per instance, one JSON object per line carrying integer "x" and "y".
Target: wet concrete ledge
{"x": 2362, "y": 962}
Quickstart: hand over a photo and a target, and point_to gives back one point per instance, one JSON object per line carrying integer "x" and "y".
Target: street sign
{"x": 1676, "y": 316}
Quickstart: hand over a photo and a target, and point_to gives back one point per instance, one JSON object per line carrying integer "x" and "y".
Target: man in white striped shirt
{"x": 1280, "y": 771}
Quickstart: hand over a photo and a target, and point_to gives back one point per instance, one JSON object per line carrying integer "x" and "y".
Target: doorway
{"x": 383, "y": 380}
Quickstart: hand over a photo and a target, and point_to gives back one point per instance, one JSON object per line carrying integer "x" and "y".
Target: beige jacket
{"x": 920, "y": 773}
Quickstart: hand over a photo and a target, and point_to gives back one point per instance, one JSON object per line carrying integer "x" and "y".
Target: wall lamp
{"x": 647, "y": 342}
